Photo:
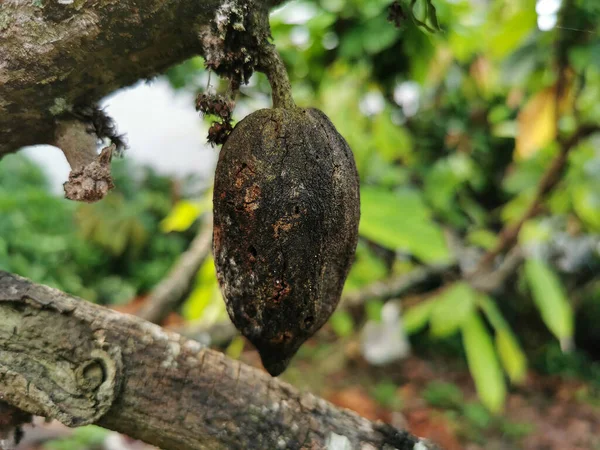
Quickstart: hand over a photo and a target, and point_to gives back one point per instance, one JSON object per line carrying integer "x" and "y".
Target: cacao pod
{"x": 286, "y": 213}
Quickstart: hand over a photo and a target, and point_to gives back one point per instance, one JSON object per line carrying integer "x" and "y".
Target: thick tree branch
{"x": 64, "y": 358}
{"x": 56, "y": 57}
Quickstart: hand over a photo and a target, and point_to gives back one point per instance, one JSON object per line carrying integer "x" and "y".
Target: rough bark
{"x": 64, "y": 358}
{"x": 57, "y": 57}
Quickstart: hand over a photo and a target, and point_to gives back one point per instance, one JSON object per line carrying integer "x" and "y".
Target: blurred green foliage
{"x": 89, "y": 437}
{"x": 443, "y": 395}
{"x": 384, "y": 393}
{"x": 107, "y": 252}
{"x": 452, "y": 126}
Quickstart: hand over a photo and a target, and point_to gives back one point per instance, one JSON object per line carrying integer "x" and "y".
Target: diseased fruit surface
{"x": 286, "y": 213}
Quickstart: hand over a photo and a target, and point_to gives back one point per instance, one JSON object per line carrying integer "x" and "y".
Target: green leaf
{"x": 477, "y": 415}
{"x": 183, "y": 215}
{"x": 342, "y": 323}
{"x": 511, "y": 355}
{"x": 89, "y": 436}
{"x": 514, "y": 209}
{"x": 511, "y": 32}
{"x": 445, "y": 179}
{"x": 483, "y": 364}
{"x": 415, "y": 318}
{"x": 205, "y": 294}
{"x": 499, "y": 113}
{"x": 586, "y": 203}
{"x": 373, "y": 309}
{"x": 516, "y": 430}
{"x": 235, "y": 348}
{"x": 393, "y": 142}
{"x": 454, "y": 306}
{"x": 491, "y": 311}
{"x": 582, "y": 56}
{"x": 432, "y": 15}
{"x": 386, "y": 394}
{"x": 550, "y": 299}
{"x": 371, "y": 36}
{"x": 482, "y": 238}
{"x": 535, "y": 231}
{"x": 400, "y": 220}
{"x": 366, "y": 269}
{"x": 443, "y": 395}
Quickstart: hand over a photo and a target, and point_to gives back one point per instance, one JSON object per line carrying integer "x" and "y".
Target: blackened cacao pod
{"x": 286, "y": 213}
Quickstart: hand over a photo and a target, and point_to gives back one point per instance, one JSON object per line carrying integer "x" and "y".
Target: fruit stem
{"x": 281, "y": 89}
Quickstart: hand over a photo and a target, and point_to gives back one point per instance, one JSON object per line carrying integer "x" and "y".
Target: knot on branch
{"x": 52, "y": 365}
{"x": 91, "y": 182}
{"x": 90, "y": 178}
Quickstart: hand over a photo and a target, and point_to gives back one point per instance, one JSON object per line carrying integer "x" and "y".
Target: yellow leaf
{"x": 537, "y": 124}
{"x": 205, "y": 300}
{"x": 181, "y": 217}
{"x": 235, "y": 349}
{"x": 538, "y": 118}
{"x": 511, "y": 355}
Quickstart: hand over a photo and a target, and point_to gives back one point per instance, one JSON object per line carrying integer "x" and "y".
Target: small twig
{"x": 414, "y": 300}
{"x": 172, "y": 290}
{"x": 395, "y": 286}
{"x": 272, "y": 65}
{"x": 492, "y": 281}
{"x": 76, "y": 142}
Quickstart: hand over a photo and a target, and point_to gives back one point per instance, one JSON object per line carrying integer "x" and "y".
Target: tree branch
{"x": 395, "y": 286}
{"x": 57, "y": 57}
{"x": 64, "y": 358}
